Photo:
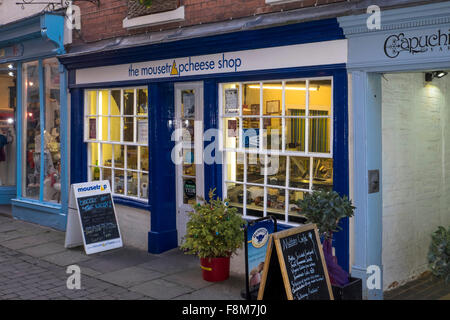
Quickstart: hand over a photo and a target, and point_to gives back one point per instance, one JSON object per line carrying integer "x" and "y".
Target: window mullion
{"x": 307, "y": 118}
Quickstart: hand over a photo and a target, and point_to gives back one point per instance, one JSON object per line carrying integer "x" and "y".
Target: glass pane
{"x": 189, "y": 191}
{"x": 142, "y": 130}
{"x": 128, "y": 102}
{"x": 255, "y": 200}
{"x": 230, "y": 99}
{"x": 320, "y": 96}
{"x": 128, "y": 129}
{"x": 250, "y": 132}
{"x": 142, "y": 102}
{"x": 107, "y": 150}
{"x": 188, "y": 104}
{"x": 7, "y": 128}
{"x": 295, "y": 98}
{"x": 323, "y": 174}
{"x": 251, "y": 97}
{"x": 119, "y": 186}
{"x": 188, "y": 131}
{"x": 52, "y": 151}
{"x": 132, "y": 157}
{"x": 231, "y": 133}
{"x": 235, "y": 194}
{"x": 294, "y": 197}
{"x": 32, "y": 131}
{"x": 132, "y": 184}
{"x": 94, "y": 154}
{"x": 91, "y": 103}
{"x": 272, "y": 133}
{"x": 276, "y": 200}
{"x": 188, "y": 162}
{"x": 299, "y": 172}
{"x": 295, "y": 132}
{"x": 255, "y": 168}
{"x": 276, "y": 170}
{"x": 115, "y": 102}
{"x": 95, "y": 173}
{"x": 272, "y": 97}
{"x": 144, "y": 186}
{"x": 115, "y": 129}
{"x": 319, "y": 135}
{"x": 107, "y": 175}
{"x": 235, "y": 166}
{"x": 119, "y": 158}
{"x": 144, "y": 158}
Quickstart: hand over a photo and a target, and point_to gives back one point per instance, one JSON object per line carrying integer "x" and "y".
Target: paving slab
{"x": 161, "y": 289}
{"x": 29, "y": 241}
{"x": 191, "y": 278}
{"x": 130, "y": 277}
{"x": 171, "y": 264}
{"x": 67, "y": 257}
{"x": 44, "y": 249}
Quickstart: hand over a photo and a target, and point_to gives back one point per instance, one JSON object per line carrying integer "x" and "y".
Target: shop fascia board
{"x": 155, "y": 19}
{"x": 43, "y": 25}
{"x": 416, "y": 17}
{"x": 80, "y": 53}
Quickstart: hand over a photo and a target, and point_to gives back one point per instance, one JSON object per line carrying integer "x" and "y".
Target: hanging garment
{"x": 3, "y": 143}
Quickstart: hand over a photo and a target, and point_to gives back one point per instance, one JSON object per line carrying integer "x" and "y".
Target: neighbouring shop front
{"x": 260, "y": 116}
{"x": 33, "y": 111}
{"x": 401, "y": 110}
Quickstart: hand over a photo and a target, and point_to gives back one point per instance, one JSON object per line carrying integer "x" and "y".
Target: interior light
{"x": 30, "y": 83}
{"x": 311, "y": 88}
{"x": 11, "y": 74}
{"x": 10, "y": 120}
{"x": 10, "y": 66}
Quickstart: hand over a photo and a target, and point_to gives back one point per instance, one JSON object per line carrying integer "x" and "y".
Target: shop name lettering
{"x": 224, "y": 64}
{"x": 398, "y": 43}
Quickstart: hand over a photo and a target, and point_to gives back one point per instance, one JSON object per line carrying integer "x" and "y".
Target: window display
{"x": 7, "y": 125}
{"x": 118, "y": 143}
{"x": 277, "y": 144}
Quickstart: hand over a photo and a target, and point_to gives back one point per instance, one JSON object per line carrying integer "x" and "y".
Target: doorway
{"x": 188, "y": 150}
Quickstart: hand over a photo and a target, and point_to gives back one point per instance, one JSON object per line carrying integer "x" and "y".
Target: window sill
{"x": 143, "y": 205}
{"x": 275, "y": 2}
{"x": 155, "y": 19}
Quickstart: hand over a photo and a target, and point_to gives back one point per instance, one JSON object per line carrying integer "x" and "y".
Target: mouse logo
{"x": 174, "y": 70}
{"x": 260, "y": 237}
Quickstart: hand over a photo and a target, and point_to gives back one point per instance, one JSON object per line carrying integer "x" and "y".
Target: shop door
{"x": 189, "y": 148}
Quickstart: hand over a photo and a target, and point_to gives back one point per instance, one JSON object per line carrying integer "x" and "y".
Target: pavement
{"x": 425, "y": 287}
{"x": 33, "y": 265}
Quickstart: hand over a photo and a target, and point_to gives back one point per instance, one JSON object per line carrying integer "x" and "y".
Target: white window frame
{"x": 100, "y": 142}
{"x": 264, "y": 152}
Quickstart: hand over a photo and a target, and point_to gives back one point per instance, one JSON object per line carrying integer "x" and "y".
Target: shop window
{"x": 42, "y": 152}
{"x": 116, "y": 130}
{"x": 276, "y": 142}
{"x": 8, "y": 105}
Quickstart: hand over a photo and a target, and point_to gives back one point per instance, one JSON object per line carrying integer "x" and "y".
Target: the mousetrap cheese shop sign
{"x": 311, "y": 54}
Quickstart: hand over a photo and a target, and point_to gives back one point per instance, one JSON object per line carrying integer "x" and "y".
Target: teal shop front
{"x": 166, "y": 122}
{"x": 400, "y": 109}
{"x": 34, "y": 120}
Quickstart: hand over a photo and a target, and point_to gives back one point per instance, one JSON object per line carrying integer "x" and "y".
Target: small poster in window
{"x": 142, "y": 131}
{"x": 188, "y": 104}
{"x": 232, "y": 128}
{"x": 231, "y": 101}
{"x": 93, "y": 129}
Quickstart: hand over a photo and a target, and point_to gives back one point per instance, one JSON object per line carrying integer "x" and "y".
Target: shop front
{"x": 401, "y": 112}
{"x": 33, "y": 111}
{"x": 263, "y": 122}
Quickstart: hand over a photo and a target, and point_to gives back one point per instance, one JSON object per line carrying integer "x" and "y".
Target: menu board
{"x": 97, "y": 224}
{"x": 295, "y": 268}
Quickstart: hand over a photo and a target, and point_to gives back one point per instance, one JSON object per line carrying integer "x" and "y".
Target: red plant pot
{"x": 215, "y": 269}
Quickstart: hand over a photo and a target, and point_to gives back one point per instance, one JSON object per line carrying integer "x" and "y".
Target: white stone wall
{"x": 10, "y": 11}
{"x": 416, "y": 170}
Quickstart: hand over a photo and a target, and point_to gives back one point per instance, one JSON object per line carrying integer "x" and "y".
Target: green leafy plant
{"x": 439, "y": 254}
{"x": 214, "y": 229}
{"x": 325, "y": 209}
{"x": 146, "y": 3}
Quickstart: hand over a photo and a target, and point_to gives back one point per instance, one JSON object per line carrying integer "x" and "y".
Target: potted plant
{"x": 326, "y": 209}
{"x": 439, "y": 254}
{"x": 214, "y": 232}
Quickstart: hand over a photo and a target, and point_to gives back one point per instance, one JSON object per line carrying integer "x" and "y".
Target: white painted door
{"x": 189, "y": 137}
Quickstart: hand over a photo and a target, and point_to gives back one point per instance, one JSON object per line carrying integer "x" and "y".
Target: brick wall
{"x": 105, "y": 22}
{"x": 416, "y": 169}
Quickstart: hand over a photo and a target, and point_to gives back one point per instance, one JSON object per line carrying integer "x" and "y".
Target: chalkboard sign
{"x": 97, "y": 224}
{"x": 295, "y": 268}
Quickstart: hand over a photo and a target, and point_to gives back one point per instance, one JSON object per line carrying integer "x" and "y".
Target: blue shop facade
{"x": 261, "y": 116}
{"x": 33, "y": 120}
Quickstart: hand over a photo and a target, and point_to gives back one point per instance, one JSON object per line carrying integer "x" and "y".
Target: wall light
{"x": 429, "y": 76}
